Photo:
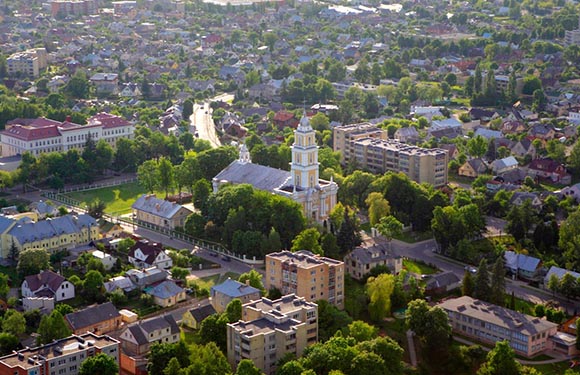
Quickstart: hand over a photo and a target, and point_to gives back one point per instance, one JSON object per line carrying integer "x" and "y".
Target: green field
{"x": 118, "y": 199}
{"x": 209, "y": 281}
{"x": 418, "y": 268}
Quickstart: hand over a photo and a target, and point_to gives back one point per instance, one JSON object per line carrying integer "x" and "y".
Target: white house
{"x": 107, "y": 259}
{"x": 48, "y": 284}
{"x": 144, "y": 255}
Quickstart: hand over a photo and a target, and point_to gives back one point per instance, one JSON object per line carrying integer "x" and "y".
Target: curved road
{"x": 201, "y": 123}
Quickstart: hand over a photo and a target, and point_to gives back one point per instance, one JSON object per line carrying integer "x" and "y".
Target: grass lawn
{"x": 209, "y": 281}
{"x": 554, "y": 368}
{"x": 117, "y": 198}
{"x": 418, "y": 268}
{"x": 189, "y": 336}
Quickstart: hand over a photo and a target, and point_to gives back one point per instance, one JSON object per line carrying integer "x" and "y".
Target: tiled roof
{"x": 156, "y": 206}
{"x": 51, "y": 279}
{"x": 202, "y": 312}
{"x": 151, "y": 251}
{"x": 142, "y": 329}
{"x": 259, "y": 176}
{"x": 92, "y": 315}
{"x": 166, "y": 289}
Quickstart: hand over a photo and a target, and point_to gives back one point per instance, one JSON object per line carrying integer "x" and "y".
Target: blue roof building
{"x": 225, "y": 292}
{"x": 166, "y": 293}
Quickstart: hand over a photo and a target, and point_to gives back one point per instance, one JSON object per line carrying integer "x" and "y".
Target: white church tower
{"x": 304, "y": 166}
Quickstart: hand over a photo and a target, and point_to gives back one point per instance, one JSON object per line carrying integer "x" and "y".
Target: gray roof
{"x": 68, "y": 224}
{"x": 443, "y": 279}
{"x": 166, "y": 289}
{"x": 372, "y": 254}
{"x": 156, "y": 206}
{"x": 202, "y": 312}
{"x": 560, "y": 272}
{"x": 5, "y": 223}
{"x": 499, "y": 316}
{"x": 521, "y": 261}
{"x": 259, "y": 176}
{"x": 234, "y": 289}
{"x": 92, "y": 315}
{"x": 142, "y": 329}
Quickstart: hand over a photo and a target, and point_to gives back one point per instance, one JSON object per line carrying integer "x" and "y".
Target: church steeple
{"x": 304, "y": 155}
{"x": 244, "y": 154}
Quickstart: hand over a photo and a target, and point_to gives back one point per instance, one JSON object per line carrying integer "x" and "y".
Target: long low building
{"x": 42, "y": 135}
{"x": 490, "y": 323}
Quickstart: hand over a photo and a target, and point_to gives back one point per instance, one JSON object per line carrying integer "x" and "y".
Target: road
{"x": 425, "y": 251}
{"x": 201, "y": 123}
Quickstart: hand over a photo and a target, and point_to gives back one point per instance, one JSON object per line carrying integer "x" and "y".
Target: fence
{"x": 171, "y": 233}
{"x": 97, "y": 185}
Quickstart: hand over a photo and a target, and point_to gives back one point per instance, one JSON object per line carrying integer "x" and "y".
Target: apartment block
{"x": 307, "y": 275}
{"x": 29, "y": 63}
{"x": 61, "y": 357}
{"x": 490, "y": 323}
{"x": 73, "y": 7}
{"x": 271, "y": 329}
{"x": 41, "y": 135}
{"x": 343, "y": 137}
{"x": 384, "y": 155}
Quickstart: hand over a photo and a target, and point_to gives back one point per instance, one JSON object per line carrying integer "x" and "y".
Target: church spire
{"x": 244, "y": 154}
{"x": 304, "y": 125}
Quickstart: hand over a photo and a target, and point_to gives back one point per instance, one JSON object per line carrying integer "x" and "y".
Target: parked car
{"x": 471, "y": 269}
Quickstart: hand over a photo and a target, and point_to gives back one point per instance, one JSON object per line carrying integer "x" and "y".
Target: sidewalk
{"x": 412, "y": 352}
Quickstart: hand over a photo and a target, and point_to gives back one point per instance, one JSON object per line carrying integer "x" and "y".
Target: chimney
{"x": 68, "y": 118}
{"x": 248, "y": 282}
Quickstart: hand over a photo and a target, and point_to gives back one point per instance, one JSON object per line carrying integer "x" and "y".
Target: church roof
{"x": 259, "y": 176}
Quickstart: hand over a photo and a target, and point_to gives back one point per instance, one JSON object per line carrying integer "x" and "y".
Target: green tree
{"x": 569, "y": 240}
{"x": 330, "y": 320}
{"x": 166, "y": 174}
{"x": 477, "y": 146}
{"x": 361, "y": 331}
{"x": 574, "y": 158}
{"x": 8, "y": 343}
{"x": 52, "y": 327}
{"x": 389, "y": 227}
{"x": 378, "y": 207}
{"x": 501, "y": 361}
{"x": 430, "y": 324}
{"x": 467, "y": 285}
{"x": 568, "y": 285}
{"x": 93, "y": 286}
{"x": 554, "y": 284}
{"x": 234, "y": 310}
{"x": 379, "y": 290}
{"x": 173, "y": 367}
{"x": 214, "y": 329}
{"x": 531, "y": 84}
{"x": 14, "y": 323}
{"x": 498, "y": 283}
{"x": 148, "y": 175}
{"x": 247, "y": 367}
{"x": 482, "y": 288}
{"x": 96, "y": 208}
{"x": 348, "y": 236}
{"x": 78, "y": 86}
{"x": 308, "y": 239}
{"x": 4, "y": 287}
{"x": 255, "y": 279}
{"x": 32, "y": 261}
{"x": 100, "y": 364}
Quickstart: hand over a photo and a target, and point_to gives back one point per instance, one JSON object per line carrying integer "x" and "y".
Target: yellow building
{"x": 151, "y": 210}
{"x": 302, "y": 184}
{"x": 306, "y": 275}
{"x": 270, "y": 329}
{"x": 61, "y": 233}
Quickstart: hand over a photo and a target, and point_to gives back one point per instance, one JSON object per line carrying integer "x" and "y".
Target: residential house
{"x": 146, "y": 277}
{"x": 442, "y": 282}
{"x": 482, "y": 114}
{"x": 449, "y": 123}
{"x": 98, "y": 319}
{"x": 272, "y": 329}
{"x": 43, "y": 209}
{"x": 193, "y": 318}
{"x": 503, "y": 165}
{"x": 571, "y": 191}
{"x": 105, "y": 83}
{"x": 523, "y": 266}
{"x": 544, "y": 132}
{"x": 487, "y": 133}
{"x": 523, "y": 148}
{"x": 108, "y": 260}
{"x": 130, "y": 90}
{"x": 473, "y": 168}
{"x": 166, "y": 294}
{"x": 145, "y": 254}
{"x": 229, "y": 290}
{"x": 440, "y": 133}
{"x": 48, "y": 284}
{"x": 307, "y": 275}
{"x": 63, "y": 356}
{"x": 549, "y": 169}
{"x": 488, "y": 323}
{"x": 284, "y": 119}
{"x": 151, "y": 210}
{"x": 513, "y": 127}
{"x": 138, "y": 337}
{"x": 519, "y": 197}
{"x": 451, "y": 149}
{"x": 559, "y": 272}
{"x": 122, "y": 283}
{"x": 363, "y": 259}
{"x": 427, "y": 112}
{"x": 407, "y": 135}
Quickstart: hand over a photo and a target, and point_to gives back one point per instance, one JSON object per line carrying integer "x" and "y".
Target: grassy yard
{"x": 418, "y": 268}
{"x": 554, "y": 368}
{"x": 117, "y": 198}
{"x": 209, "y": 281}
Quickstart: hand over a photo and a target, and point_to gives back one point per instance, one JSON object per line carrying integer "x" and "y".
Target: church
{"x": 301, "y": 184}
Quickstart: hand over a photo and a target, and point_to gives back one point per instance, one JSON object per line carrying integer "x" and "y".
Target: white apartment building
{"x": 30, "y": 62}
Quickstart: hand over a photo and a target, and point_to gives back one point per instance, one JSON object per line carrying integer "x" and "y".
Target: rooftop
{"x": 304, "y": 258}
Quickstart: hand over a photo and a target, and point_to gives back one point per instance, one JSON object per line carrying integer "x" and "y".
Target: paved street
{"x": 201, "y": 123}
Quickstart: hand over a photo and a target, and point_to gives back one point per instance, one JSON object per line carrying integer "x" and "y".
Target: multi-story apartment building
{"x": 73, "y": 7}
{"x": 61, "y": 357}
{"x": 363, "y": 259}
{"x": 41, "y": 135}
{"x": 307, "y": 275}
{"x": 343, "y": 137}
{"x": 29, "y": 63}
{"x": 419, "y": 164}
{"x": 271, "y": 329}
{"x": 490, "y": 323}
